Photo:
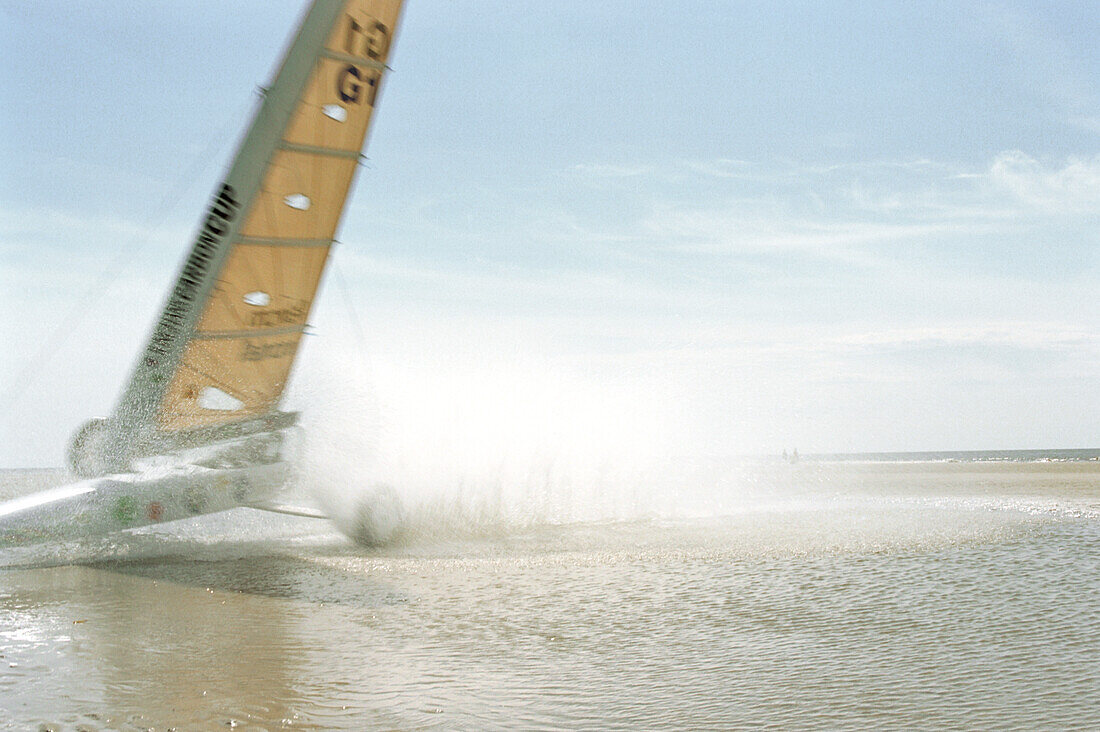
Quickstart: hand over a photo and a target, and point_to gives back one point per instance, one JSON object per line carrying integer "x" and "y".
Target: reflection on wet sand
{"x": 192, "y": 643}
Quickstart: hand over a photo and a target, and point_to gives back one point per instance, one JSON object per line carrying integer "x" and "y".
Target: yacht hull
{"x": 99, "y": 506}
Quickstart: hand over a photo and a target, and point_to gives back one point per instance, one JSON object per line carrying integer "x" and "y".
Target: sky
{"x": 696, "y": 228}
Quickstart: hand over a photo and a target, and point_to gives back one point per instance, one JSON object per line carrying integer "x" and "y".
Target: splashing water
{"x": 496, "y": 448}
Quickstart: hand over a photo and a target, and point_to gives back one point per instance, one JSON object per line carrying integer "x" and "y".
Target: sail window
{"x": 214, "y": 398}
{"x": 257, "y": 299}
{"x": 297, "y": 200}
{"x": 336, "y": 112}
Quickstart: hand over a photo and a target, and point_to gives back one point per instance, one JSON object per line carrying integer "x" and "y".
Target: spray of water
{"x": 484, "y": 448}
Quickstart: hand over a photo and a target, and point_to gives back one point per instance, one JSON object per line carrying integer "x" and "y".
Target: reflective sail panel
{"x": 236, "y": 362}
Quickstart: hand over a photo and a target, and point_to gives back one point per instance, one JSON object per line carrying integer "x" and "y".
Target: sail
{"x": 222, "y": 350}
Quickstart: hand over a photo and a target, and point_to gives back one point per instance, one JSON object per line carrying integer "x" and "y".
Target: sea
{"x": 887, "y": 591}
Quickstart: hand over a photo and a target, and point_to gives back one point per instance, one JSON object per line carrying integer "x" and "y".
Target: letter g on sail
{"x": 350, "y": 91}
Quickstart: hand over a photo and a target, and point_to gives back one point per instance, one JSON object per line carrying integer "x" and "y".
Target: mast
{"x": 221, "y": 350}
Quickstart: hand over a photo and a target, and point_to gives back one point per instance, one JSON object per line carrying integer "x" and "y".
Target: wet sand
{"x": 885, "y": 595}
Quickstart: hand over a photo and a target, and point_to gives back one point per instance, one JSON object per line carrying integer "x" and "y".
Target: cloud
{"x": 600, "y": 170}
{"x": 719, "y": 167}
{"x": 849, "y": 211}
{"x": 1017, "y": 334}
{"x": 732, "y": 231}
{"x": 39, "y": 223}
{"x": 1073, "y": 187}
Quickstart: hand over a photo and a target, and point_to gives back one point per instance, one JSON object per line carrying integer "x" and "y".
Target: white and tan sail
{"x": 222, "y": 350}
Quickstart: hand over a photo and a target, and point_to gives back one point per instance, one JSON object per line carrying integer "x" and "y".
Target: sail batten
{"x": 348, "y": 58}
{"x": 335, "y": 152}
{"x": 270, "y": 242}
{"x": 235, "y": 319}
{"x": 217, "y": 334}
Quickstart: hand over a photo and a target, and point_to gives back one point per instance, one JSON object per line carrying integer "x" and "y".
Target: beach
{"x": 887, "y": 594}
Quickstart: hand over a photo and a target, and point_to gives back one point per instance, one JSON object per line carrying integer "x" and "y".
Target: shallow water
{"x": 887, "y": 595}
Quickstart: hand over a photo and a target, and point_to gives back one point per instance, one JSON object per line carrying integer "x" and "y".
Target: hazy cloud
{"x": 603, "y": 170}
{"x": 1071, "y": 187}
{"x": 1035, "y": 335}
